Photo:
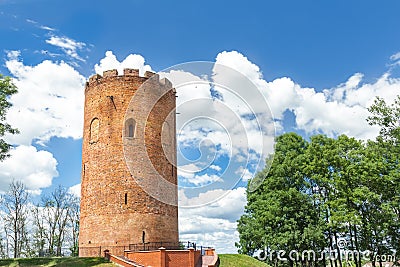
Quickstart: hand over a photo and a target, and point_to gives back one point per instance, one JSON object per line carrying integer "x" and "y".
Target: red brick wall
{"x": 146, "y": 258}
{"x": 165, "y": 258}
{"x": 108, "y": 174}
{"x": 177, "y": 258}
{"x": 197, "y": 256}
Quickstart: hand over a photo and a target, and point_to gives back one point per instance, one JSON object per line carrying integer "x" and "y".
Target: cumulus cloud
{"x": 214, "y": 224}
{"x": 200, "y": 179}
{"x": 49, "y": 102}
{"x": 35, "y": 168}
{"x": 191, "y": 173}
{"x": 215, "y": 167}
{"x": 343, "y": 109}
{"x": 334, "y": 111}
{"x": 223, "y": 115}
{"x": 245, "y": 173}
{"x": 132, "y": 61}
{"x": 75, "y": 190}
{"x": 239, "y": 62}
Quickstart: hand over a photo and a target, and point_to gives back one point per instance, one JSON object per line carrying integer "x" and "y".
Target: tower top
{"x": 127, "y": 74}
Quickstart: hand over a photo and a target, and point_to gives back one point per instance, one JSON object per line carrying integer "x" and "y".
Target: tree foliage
{"x": 7, "y": 88}
{"x": 329, "y": 194}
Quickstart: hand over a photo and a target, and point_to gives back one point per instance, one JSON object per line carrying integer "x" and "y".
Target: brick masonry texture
{"x": 115, "y": 210}
{"x": 166, "y": 258}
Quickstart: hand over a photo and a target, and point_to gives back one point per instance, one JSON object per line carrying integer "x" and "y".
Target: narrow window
{"x": 126, "y": 198}
{"x": 130, "y": 125}
{"x": 130, "y": 130}
{"x": 166, "y": 134}
{"x": 94, "y": 130}
{"x": 143, "y": 237}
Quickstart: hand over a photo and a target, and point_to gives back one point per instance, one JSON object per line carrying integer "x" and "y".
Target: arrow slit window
{"x": 130, "y": 128}
{"x": 94, "y": 130}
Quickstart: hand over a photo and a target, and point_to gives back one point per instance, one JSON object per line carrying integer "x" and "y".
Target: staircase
{"x": 209, "y": 261}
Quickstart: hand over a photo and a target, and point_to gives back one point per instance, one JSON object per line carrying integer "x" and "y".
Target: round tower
{"x": 129, "y": 178}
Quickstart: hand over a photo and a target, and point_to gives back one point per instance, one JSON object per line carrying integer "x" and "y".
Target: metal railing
{"x": 147, "y": 246}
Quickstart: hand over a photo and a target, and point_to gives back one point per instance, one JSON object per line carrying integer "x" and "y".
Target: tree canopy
{"x": 7, "y": 88}
{"x": 328, "y": 194}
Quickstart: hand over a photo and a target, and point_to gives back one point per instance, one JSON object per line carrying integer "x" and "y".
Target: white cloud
{"x": 237, "y": 126}
{"x": 190, "y": 174}
{"x": 244, "y": 173}
{"x": 68, "y": 45}
{"x": 216, "y": 168}
{"x": 203, "y": 179}
{"x": 31, "y": 21}
{"x": 49, "y": 102}
{"x": 244, "y": 95}
{"x": 214, "y": 224}
{"x": 229, "y": 204}
{"x": 132, "y": 61}
{"x": 240, "y": 63}
{"x": 36, "y": 169}
{"x": 335, "y": 111}
{"x": 43, "y": 27}
{"x": 395, "y": 57}
{"x": 75, "y": 190}
{"x": 343, "y": 109}
{"x": 47, "y": 28}
{"x": 191, "y": 168}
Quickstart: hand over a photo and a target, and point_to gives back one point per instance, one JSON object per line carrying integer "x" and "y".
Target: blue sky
{"x": 318, "y": 64}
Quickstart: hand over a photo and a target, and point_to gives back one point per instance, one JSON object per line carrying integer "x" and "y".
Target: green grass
{"x": 62, "y": 262}
{"x": 227, "y": 260}
{"x": 238, "y": 260}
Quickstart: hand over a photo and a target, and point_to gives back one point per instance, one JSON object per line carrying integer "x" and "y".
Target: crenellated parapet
{"x": 128, "y": 74}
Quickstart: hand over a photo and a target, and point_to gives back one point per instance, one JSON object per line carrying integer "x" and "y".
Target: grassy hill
{"x": 238, "y": 260}
{"x": 62, "y": 262}
{"x": 227, "y": 260}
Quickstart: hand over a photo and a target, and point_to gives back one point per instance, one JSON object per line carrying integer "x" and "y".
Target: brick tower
{"x": 129, "y": 178}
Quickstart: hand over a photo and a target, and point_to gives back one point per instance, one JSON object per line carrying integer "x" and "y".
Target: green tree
{"x": 280, "y": 214}
{"x": 7, "y": 88}
{"x": 320, "y": 193}
{"x": 320, "y": 156}
{"x": 388, "y": 118}
{"x": 386, "y": 154}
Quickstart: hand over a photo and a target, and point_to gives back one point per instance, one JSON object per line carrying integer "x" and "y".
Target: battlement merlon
{"x": 97, "y": 78}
